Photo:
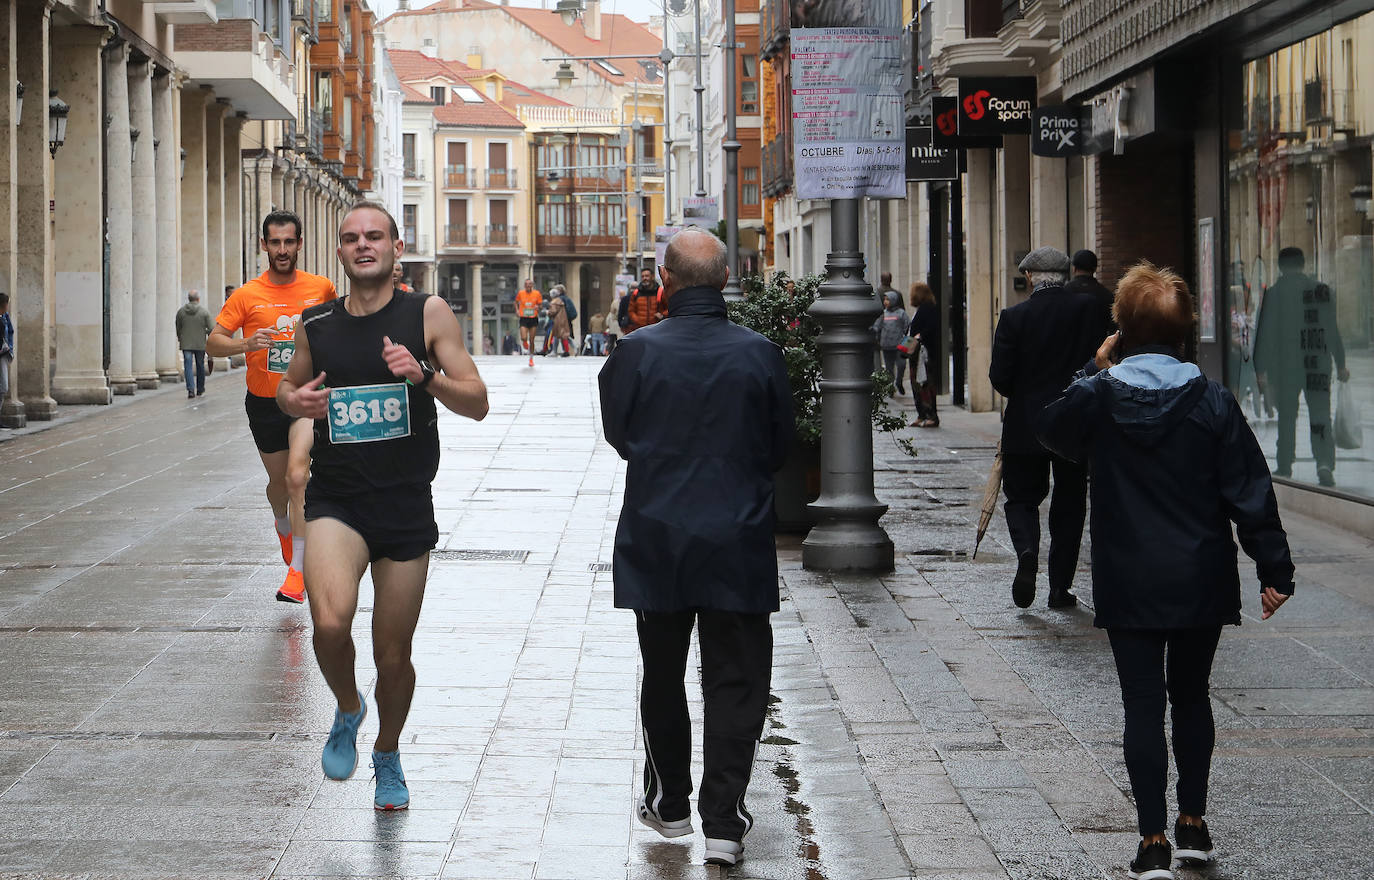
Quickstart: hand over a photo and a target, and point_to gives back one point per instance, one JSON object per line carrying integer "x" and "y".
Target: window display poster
{"x": 847, "y": 117}
{"x": 1206, "y": 282}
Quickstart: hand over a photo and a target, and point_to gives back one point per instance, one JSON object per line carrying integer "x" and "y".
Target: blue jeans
{"x": 195, "y": 383}
{"x": 598, "y": 341}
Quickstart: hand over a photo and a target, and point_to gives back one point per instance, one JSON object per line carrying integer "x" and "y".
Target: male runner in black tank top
{"x": 376, "y": 452}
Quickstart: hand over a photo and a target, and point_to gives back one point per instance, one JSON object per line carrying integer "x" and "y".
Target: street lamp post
{"x": 731, "y": 291}
{"x": 846, "y": 536}
{"x": 701, "y": 116}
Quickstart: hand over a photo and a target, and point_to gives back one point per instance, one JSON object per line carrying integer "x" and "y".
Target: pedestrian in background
{"x": 885, "y": 288}
{"x": 702, "y": 410}
{"x": 925, "y": 326}
{"x": 193, "y": 328}
{"x": 890, "y": 329}
{"x": 1038, "y": 346}
{"x": 559, "y": 327}
{"x": 613, "y": 326}
{"x": 1084, "y": 280}
{"x": 643, "y": 305}
{"x": 596, "y": 339}
{"x": 1174, "y": 464}
{"x": 6, "y": 345}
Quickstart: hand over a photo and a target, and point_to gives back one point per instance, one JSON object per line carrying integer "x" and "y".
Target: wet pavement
{"x": 162, "y": 716}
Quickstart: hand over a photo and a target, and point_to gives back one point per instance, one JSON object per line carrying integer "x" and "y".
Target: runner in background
{"x": 527, "y": 304}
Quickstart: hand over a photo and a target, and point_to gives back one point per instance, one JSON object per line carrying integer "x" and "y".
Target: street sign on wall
{"x": 927, "y": 162}
{"x": 996, "y": 104}
{"x": 1060, "y": 131}
{"x": 945, "y": 128}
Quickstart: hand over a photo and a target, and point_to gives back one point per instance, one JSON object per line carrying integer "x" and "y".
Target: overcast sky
{"x": 639, "y": 10}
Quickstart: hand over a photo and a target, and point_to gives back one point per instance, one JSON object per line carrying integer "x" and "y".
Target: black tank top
{"x": 348, "y": 348}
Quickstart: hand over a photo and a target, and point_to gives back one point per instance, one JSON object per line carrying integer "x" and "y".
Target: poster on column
{"x": 849, "y": 128}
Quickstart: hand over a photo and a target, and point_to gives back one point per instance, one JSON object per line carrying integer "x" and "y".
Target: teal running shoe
{"x": 340, "y": 756}
{"x": 392, "y": 793}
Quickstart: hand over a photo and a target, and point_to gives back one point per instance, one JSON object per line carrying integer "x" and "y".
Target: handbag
{"x": 922, "y": 373}
{"x": 1349, "y": 433}
{"x": 908, "y": 345}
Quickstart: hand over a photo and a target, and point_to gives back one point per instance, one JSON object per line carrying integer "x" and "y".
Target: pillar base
{"x": 233, "y": 362}
{"x": 854, "y": 543}
{"x": 84, "y": 388}
{"x": 123, "y": 386}
{"x": 147, "y": 381}
{"x": 168, "y": 377}
{"x": 40, "y": 409}
{"x": 12, "y": 414}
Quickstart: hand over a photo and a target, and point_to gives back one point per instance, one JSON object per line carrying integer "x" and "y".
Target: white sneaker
{"x": 723, "y": 852}
{"x": 675, "y": 828}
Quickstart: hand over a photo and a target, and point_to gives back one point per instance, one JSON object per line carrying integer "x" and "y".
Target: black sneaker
{"x": 1152, "y": 862}
{"x": 1023, "y": 585}
{"x": 1194, "y": 843}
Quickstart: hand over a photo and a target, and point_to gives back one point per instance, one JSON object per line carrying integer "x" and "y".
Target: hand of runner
{"x": 259, "y": 340}
{"x": 310, "y": 400}
{"x": 400, "y": 361}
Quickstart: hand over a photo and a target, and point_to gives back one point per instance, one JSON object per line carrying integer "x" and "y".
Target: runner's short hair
{"x": 376, "y": 206}
{"x": 281, "y": 218}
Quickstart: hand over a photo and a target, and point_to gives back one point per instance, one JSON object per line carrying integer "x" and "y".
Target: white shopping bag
{"x": 1349, "y": 432}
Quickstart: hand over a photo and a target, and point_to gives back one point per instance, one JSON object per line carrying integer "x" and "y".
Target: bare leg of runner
{"x": 301, "y": 440}
{"x": 335, "y": 559}
{"x": 400, "y": 587}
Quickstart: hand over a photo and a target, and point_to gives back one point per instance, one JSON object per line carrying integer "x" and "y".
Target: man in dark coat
{"x": 1084, "y": 280}
{"x": 702, "y": 411}
{"x": 1038, "y": 346}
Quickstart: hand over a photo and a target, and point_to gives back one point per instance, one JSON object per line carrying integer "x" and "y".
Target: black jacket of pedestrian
{"x": 1038, "y": 347}
{"x": 1089, "y": 284}
{"x": 702, "y": 410}
{"x": 1173, "y": 465}
{"x": 926, "y": 324}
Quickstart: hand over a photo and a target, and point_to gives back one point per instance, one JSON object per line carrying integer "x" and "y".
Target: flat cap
{"x": 1045, "y": 259}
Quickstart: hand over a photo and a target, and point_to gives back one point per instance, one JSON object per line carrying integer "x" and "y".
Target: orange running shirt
{"x": 260, "y": 303}
{"x": 527, "y": 303}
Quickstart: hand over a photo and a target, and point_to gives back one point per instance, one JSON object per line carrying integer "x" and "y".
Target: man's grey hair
{"x": 1039, "y": 278}
{"x": 696, "y": 269}
{"x": 193, "y": 296}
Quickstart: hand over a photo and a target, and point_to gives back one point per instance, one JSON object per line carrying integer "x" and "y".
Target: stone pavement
{"x": 162, "y": 716}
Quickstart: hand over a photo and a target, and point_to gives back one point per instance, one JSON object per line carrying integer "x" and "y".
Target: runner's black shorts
{"x": 270, "y": 426}
{"x": 529, "y": 322}
{"x": 396, "y": 523}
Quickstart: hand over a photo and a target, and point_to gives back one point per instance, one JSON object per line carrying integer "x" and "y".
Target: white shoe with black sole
{"x": 666, "y": 828}
{"x": 723, "y": 852}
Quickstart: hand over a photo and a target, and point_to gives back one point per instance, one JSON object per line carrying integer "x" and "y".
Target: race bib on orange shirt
{"x": 260, "y": 304}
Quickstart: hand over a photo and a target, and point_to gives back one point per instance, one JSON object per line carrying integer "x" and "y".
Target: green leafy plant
{"x": 773, "y": 311}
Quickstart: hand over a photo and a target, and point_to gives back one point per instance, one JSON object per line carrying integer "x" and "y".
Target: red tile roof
{"x": 417, "y": 67}
{"x": 412, "y": 95}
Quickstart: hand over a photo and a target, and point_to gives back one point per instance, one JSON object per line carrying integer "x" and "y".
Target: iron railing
{"x": 460, "y": 177}
{"x": 501, "y": 178}
{"x": 502, "y": 235}
{"x": 460, "y": 235}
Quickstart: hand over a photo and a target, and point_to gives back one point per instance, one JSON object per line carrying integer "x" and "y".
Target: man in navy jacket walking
{"x": 702, "y": 411}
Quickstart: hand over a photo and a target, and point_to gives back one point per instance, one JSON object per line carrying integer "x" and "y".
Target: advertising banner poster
{"x": 926, "y": 162}
{"x": 847, "y": 117}
{"x": 945, "y": 130}
{"x": 700, "y": 211}
{"x": 1060, "y": 131}
{"x": 661, "y": 236}
{"x": 996, "y": 104}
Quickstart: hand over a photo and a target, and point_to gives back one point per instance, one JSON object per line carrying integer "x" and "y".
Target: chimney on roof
{"x": 429, "y": 49}
{"x": 404, "y": 6}
{"x": 591, "y": 20}
{"x": 474, "y": 59}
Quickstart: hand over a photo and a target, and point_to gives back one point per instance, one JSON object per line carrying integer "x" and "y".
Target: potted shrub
{"x": 777, "y": 309}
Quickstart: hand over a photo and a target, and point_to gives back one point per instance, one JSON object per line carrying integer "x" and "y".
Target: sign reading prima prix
{"x": 996, "y": 104}
{"x": 1060, "y": 131}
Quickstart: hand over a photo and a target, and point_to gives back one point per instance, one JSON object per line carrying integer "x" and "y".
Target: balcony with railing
{"x": 460, "y": 235}
{"x": 502, "y": 235}
{"x": 501, "y": 178}
{"x": 413, "y": 169}
{"x": 237, "y": 56}
{"x": 776, "y": 29}
{"x": 777, "y": 166}
{"x": 460, "y": 177}
{"x": 417, "y": 244}
{"x": 303, "y": 14}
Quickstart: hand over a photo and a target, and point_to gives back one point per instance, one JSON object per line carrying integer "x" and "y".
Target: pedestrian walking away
{"x": 386, "y": 356}
{"x": 193, "y": 328}
{"x": 528, "y": 301}
{"x": 890, "y": 328}
{"x": 1038, "y": 346}
{"x": 1084, "y": 280}
{"x": 925, "y": 326}
{"x": 560, "y": 324}
{"x": 702, "y": 411}
{"x": 266, "y": 310}
{"x": 6, "y": 345}
{"x": 1174, "y": 464}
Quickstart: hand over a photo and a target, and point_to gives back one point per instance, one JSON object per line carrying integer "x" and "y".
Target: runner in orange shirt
{"x": 527, "y": 304}
{"x": 266, "y": 310}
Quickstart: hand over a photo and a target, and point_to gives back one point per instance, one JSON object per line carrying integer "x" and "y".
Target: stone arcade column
{"x": 119, "y": 222}
{"x": 79, "y": 225}
{"x": 214, "y": 207}
{"x": 146, "y": 253}
{"x": 233, "y": 203}
{"x": 194, "y": 212}
{"x": 31, "y": 300}
{"x": 166, "y": 168}
{"x": 284, "y": 185}
{"x": 270, "y": 181}
{"x": 476, "y": 347}
{"x": 11, "y": 409}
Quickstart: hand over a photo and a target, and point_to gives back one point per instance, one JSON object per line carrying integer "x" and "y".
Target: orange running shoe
{"x": 285, "y": 547}
{"x": 294, "y": 588}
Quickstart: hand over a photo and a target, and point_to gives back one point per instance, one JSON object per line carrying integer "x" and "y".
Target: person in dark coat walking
{"x": 1174, "y": 465}
{"x": 702, "y": 410}
{"x": 1038, "y": 346}
{"x": 1084, "y": 280}
{"x": 925, "y": 324}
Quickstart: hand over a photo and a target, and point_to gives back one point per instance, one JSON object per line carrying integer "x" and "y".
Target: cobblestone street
{"x": 161, "y": 716}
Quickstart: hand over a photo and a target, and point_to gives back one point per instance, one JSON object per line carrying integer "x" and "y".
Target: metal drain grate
{"x": 480, "y": 555}
{"x": 598, "y": 566}
{"x": 513, "y": 489}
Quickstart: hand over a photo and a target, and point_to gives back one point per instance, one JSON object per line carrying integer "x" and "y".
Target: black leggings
{"x": 1151, "y": 663}
{"x": 895, "y": 367}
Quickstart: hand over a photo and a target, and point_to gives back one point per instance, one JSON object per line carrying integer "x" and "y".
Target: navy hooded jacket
{"x": 1173, "y": 465}
{"x": 702, "y": 410}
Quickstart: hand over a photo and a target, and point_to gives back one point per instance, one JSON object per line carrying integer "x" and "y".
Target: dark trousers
{"x": 1318, "y": 397}
{"x": 736, "y": 670}
{"x": 1151, "y": 664}
{"x": 894, "y": 367}
{"x": 1026, "y": 482}
{"x": 193, "y": 368}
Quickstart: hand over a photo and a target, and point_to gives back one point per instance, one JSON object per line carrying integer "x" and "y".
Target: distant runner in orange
{"x": 266, "y": 310}
{"x": 527, "y": 304}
